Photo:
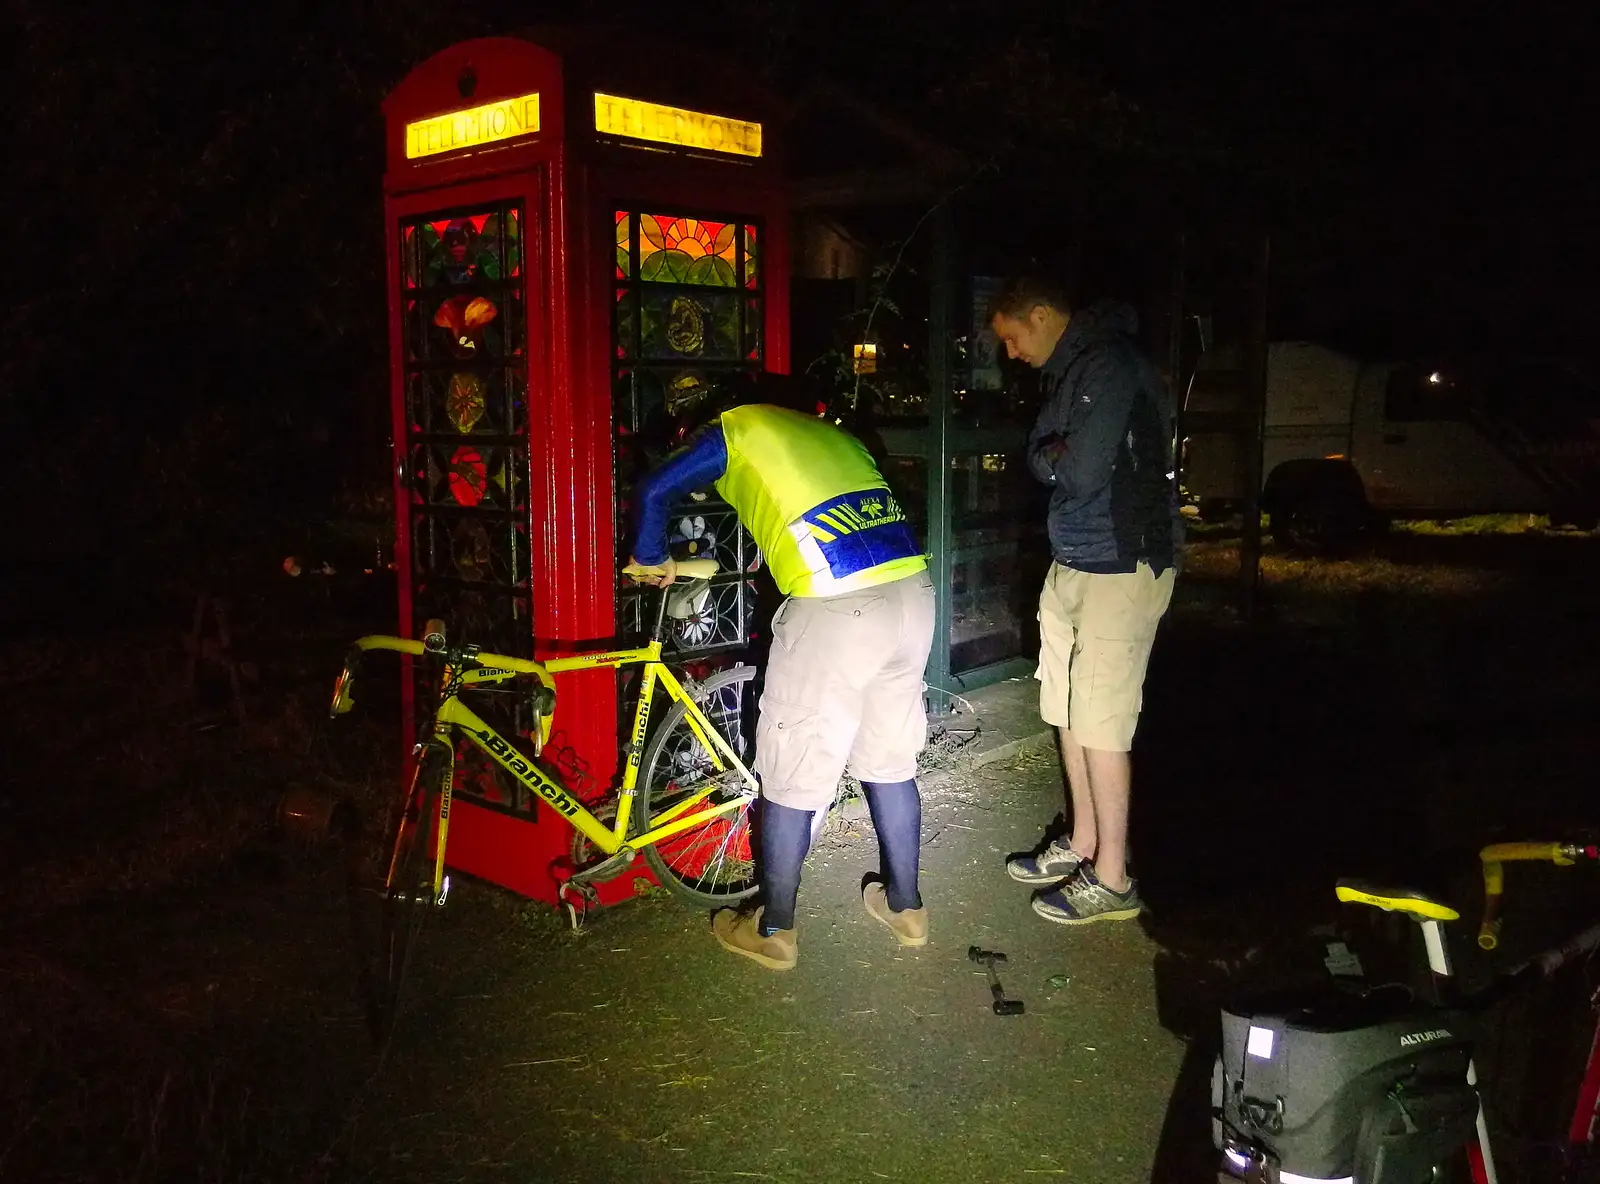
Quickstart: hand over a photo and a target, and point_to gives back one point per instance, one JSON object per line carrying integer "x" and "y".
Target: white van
{"x": 1347, "y": 441}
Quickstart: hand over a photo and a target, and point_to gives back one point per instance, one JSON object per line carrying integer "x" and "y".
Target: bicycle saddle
{"x": 1416, "y": 905}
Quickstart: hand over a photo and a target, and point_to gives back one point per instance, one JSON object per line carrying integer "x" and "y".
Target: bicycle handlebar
{"x": 1496, "y": 855}
{"x": 434, "y": 642}
{"x": 402, "y": 645}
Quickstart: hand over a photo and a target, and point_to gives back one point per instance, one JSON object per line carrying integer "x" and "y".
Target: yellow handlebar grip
{"x": 1524, "y": 852}
{"x": 1489, "y": 935}
{"x": 1494, "y": 857}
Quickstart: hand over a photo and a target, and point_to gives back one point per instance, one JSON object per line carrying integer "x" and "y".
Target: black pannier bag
{"x": 1365, "y": 1088}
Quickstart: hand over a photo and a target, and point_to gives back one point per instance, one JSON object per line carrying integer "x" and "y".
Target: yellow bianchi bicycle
{"x": 692, "y": 825}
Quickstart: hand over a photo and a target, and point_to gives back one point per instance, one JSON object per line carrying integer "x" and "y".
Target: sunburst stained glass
{"x": 687, "y": 316}
{"x": 688, "y": 251}
{"x": 463, "y": 330}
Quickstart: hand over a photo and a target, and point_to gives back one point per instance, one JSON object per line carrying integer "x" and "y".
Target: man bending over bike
{"x": 850, "y": 642}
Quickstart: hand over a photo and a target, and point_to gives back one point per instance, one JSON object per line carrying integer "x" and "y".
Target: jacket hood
{"x": 1105, "y": 316}
{"x": 1096, "y": 322}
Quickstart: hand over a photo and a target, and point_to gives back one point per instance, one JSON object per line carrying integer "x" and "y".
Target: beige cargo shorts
{"x": 844, "y": 690}
{"x": 1095, "y": 637}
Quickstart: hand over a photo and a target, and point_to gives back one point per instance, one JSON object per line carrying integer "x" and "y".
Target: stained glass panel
{"x": 752, "y": 328}
{"x": 470, "y": 474}
{"x": 625, "y": 330}
{"x": 467, "y": 402}
{"x": 464, "y": 327}
{"x": 679, "y": 324}
{"x": 687, "y": 251}
{"x": 471, "y": 548}
{"x": 463, "y": 332}
{"x": 752, "y": 258}
{"x": 498, "y": 619}
{"x": 470, "y": 249}
{"x": 722, "y": 618}
{"x": 624, "y": 240}
{"x": 711, "y": 529}
{"x": 408, "y": 257}
{"x": 463, "y": 339}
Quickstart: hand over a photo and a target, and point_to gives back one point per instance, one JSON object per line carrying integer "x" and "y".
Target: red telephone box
{"x": 579, "y": 237}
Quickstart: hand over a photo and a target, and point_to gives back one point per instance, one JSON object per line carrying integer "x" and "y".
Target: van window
{"x": 1416, "y": 394}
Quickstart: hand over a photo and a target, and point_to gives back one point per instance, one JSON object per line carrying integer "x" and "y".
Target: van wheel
{"x": 1582, "y": 517}
{"x": 1315, "y": 522}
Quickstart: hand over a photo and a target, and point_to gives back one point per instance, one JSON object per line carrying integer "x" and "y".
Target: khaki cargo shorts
{"x": 844, "y": 690}
{"x": 1095, "y": 637}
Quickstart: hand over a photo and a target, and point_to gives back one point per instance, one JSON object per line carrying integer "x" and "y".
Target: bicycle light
{"x": 343, "y": 701}
{"x": 543, "y": 705}
{"x": 433, "y": 638}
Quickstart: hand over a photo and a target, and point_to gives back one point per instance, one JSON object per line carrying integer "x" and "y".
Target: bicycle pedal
{"x": 579, "y": 899}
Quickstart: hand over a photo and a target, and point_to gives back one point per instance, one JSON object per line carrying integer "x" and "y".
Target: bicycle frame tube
{"x": 670, "y": 821}
{"x": 454, "y": 713}
{"x": 447, "y": 785}
{"x": 645, "y": 653}
{"x": 1586, "y": 1114}
{"x": 678, "y": 818}
{"x": 683, "y": 815}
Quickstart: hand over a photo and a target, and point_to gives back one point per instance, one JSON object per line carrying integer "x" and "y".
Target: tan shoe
{"x": 910, "y": 925}
{"x": 741, "y": 933}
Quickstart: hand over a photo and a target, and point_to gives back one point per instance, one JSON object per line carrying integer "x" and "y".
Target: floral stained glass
{"x": 466, "y": 401}
{"x": 463, "y": 337}
{"x": 689, "y": 325}
{"x": 681, "y": 328}
{"x": 463, "y": 250}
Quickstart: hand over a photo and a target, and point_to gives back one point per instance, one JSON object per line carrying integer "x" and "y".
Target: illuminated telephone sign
{"x": 474, "y": 127}
{"x": 659, "y": 124}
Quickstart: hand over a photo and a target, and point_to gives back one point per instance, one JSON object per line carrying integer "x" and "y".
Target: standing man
{"x": 1103, "y": 444}
{"x": 849, "y": 645}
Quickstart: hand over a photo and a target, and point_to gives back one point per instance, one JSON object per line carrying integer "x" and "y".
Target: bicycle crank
{"x": 606, "y": 868}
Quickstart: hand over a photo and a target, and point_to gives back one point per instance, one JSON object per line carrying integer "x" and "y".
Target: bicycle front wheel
{"x": 408, "y": 896}
{"x": 712, "y": 864}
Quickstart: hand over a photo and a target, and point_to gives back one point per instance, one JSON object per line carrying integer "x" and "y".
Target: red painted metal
{"x": 570, "y": 181}
{"x": 1586, "y": 1114}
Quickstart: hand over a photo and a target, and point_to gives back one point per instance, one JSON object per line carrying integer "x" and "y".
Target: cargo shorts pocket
{"x": 789, "y": 624}
{"x": 794, "y": 760}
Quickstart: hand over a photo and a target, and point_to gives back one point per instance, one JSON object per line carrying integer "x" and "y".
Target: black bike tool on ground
{"x": 989, "y": 959}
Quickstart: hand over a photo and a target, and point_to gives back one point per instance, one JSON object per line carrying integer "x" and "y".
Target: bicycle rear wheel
{"x": 712, "y": 864}
{"x": 408, "y": 896}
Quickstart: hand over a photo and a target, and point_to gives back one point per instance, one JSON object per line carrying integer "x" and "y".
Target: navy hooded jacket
{"x": 1103, "y": 443}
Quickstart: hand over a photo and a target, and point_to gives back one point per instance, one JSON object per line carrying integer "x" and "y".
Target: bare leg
{"x": 1110, "y": 776}
{"x": 1085, "y": 834}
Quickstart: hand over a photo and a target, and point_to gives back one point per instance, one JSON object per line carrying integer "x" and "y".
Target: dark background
{"x": 193, "y": 351}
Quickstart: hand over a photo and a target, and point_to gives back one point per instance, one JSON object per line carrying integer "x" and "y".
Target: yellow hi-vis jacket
{"x": 807, "y": 491}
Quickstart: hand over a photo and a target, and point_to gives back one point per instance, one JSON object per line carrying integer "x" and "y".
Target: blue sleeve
{"x": 697, "y": 465}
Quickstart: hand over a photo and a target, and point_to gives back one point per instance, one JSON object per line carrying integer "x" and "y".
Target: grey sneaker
{"x": 1055, "y": 862}
{"x": 1083, "y": 900}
